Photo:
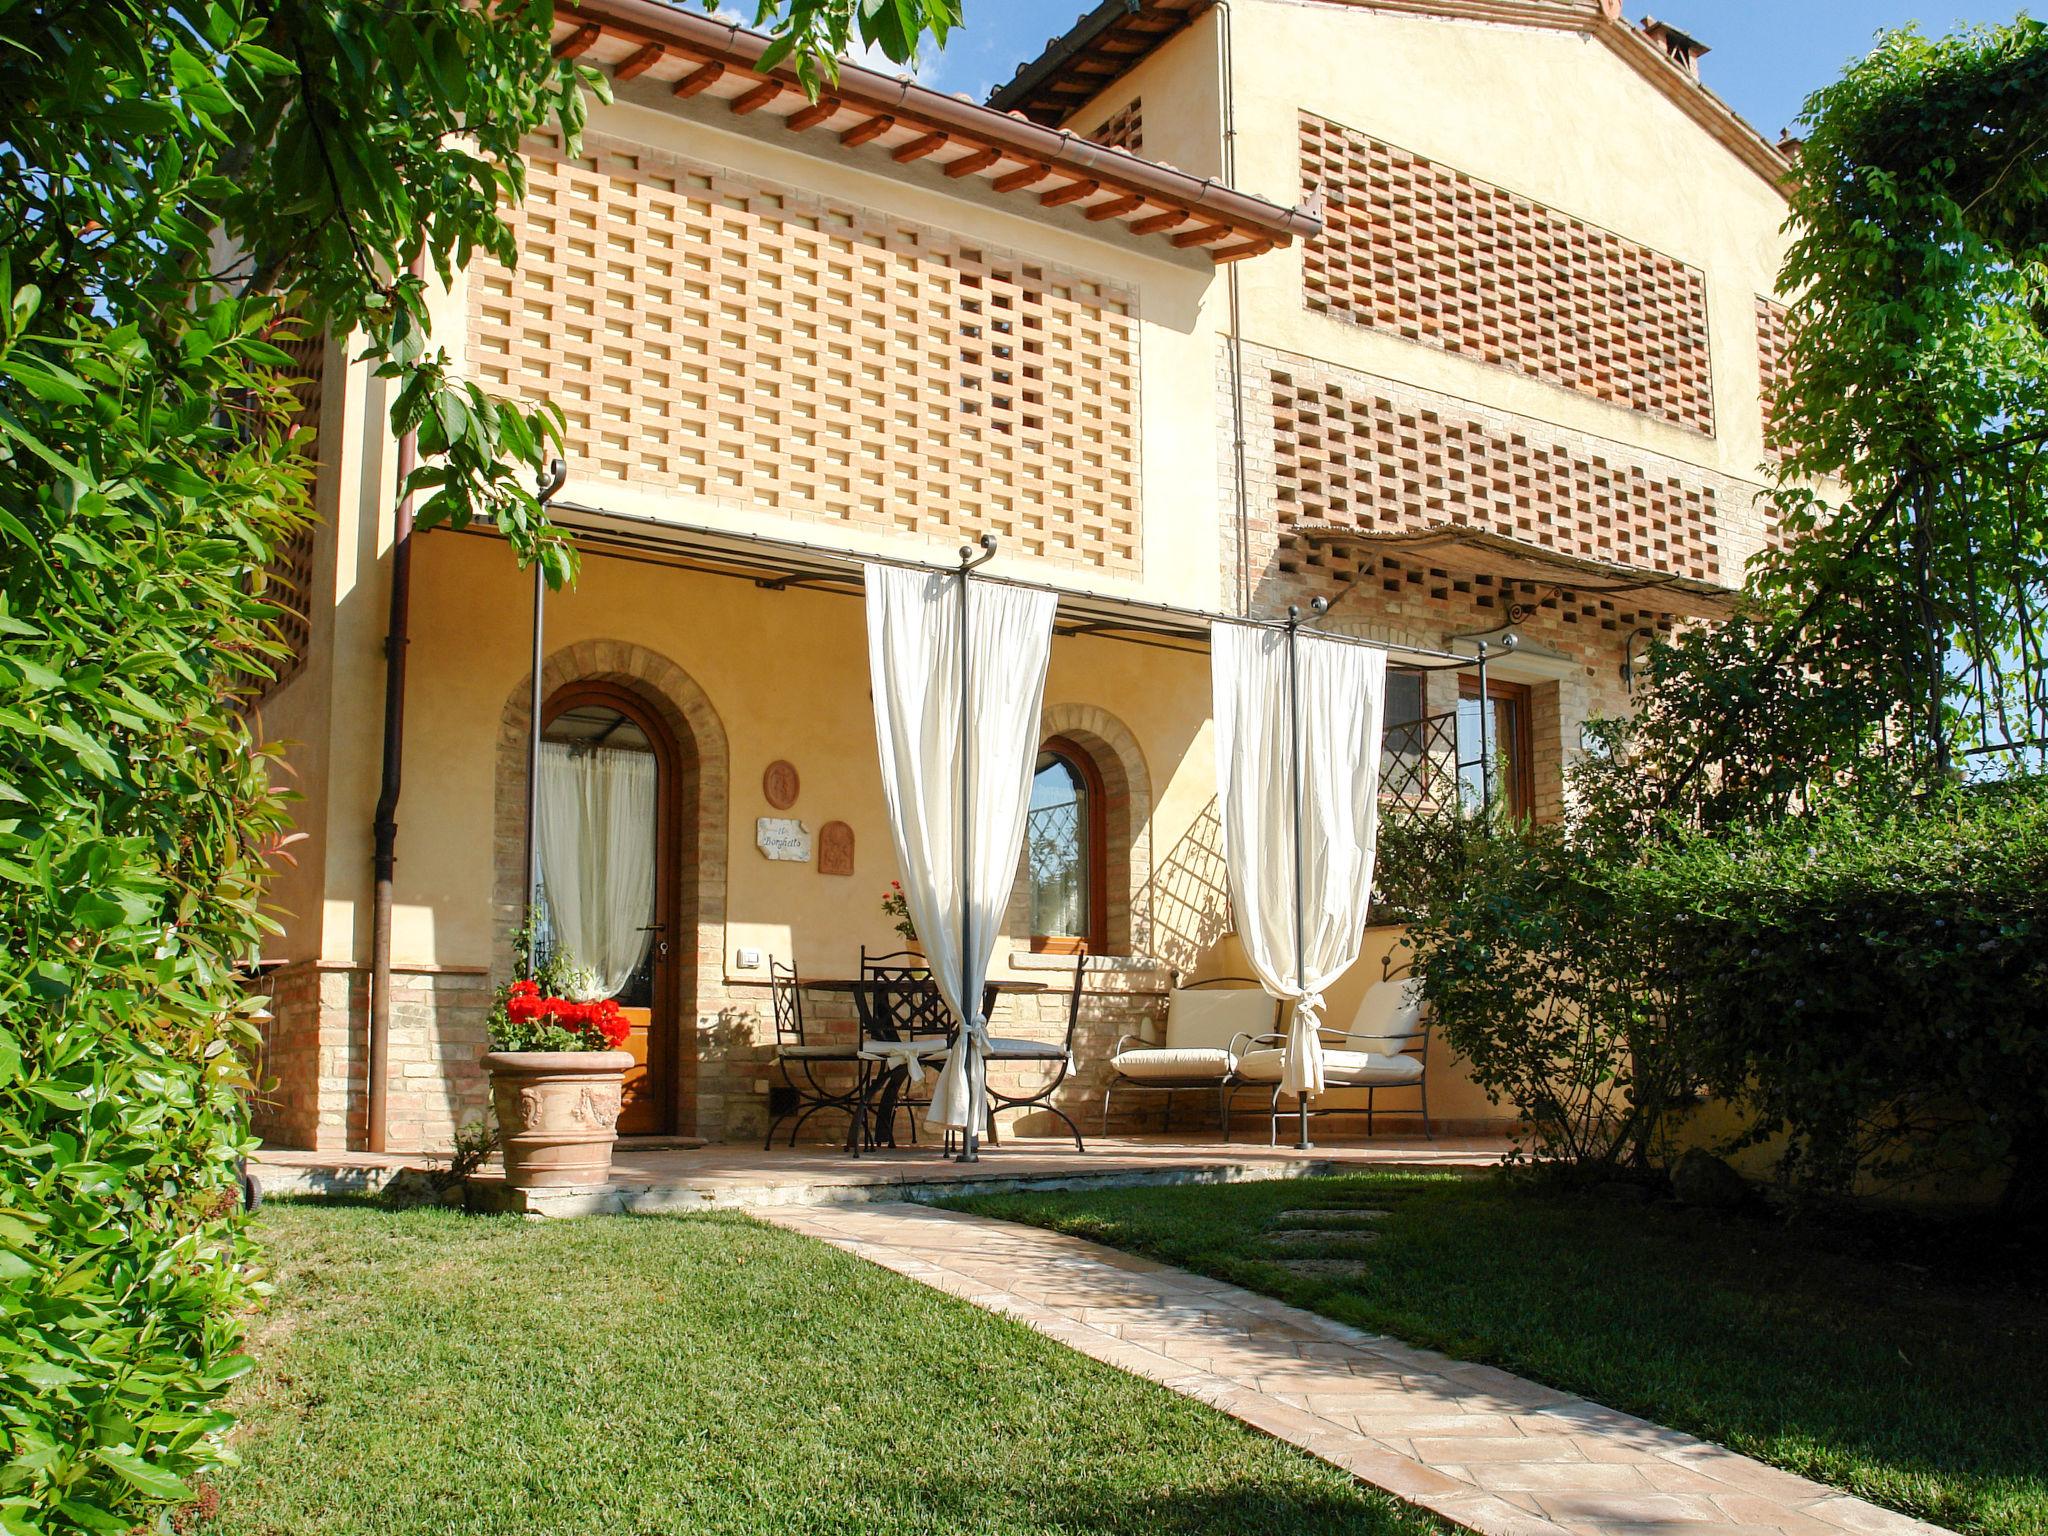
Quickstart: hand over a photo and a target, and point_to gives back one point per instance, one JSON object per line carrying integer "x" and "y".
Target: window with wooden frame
{"x": 1066, "y": 852}
{"x": 1402, "y": 728}
{"x": 1514, "y": 783}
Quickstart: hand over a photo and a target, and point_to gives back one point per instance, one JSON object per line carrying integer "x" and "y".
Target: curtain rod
{"x": 842, "y": 557}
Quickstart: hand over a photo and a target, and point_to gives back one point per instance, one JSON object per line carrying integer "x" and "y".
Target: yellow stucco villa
{"x": 1458, "y": 313}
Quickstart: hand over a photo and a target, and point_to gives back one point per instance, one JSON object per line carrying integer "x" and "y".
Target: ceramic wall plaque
{"x": 779, "y": 784}
{"x": 784, "y": 839}
{"x": 835, "y": 849}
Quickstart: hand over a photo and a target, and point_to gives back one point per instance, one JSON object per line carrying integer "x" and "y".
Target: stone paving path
{"x": 1480, "y": 1447}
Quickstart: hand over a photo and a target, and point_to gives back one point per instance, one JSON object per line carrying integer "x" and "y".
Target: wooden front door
{"x": 601, "y": 717}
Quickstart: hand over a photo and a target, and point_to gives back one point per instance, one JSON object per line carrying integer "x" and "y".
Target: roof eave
{"x": 1227, "y": 223}
{"x": 1599, "y": 18}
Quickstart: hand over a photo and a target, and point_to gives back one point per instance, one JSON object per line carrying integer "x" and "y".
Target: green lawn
{"x": 1807, "y": 1348}
{"x": 432, "y": 1372}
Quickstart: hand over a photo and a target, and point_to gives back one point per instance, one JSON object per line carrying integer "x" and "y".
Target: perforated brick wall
{"x": 1442, "y": 258}
{"x": 290, "y": 573}
{"x": 1355, "y": 457}
{"x": 706, "y": 333}
{"x": 1422, "y": 599}
{"x": 1773, "y": 338}
{"x": 1124, "y": 128}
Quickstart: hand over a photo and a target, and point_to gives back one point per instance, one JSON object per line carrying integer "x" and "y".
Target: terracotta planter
{"x": 558, "y": 1114}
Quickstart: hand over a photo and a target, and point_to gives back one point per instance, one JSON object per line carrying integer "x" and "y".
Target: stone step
{"x": 1338, "y": 1216}
{"x": 1322, "y": 1269}
{"x": 1325, "y": 1235}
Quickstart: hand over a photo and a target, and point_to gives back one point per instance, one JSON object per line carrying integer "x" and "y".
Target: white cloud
{"x": 871, "y": 57}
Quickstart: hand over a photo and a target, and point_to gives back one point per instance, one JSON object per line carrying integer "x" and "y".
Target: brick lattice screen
{"x": 1439, "y": 257}
{"x": 1773, "y": 337}
{"x": 712, "y": 335}
{"x": 1124, "y": 128}
{"x": 1358, "y": 459}
{"x": 290, "y": 577}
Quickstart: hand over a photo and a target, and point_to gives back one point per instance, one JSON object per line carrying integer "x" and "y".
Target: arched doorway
{"x": 612, "y": 842}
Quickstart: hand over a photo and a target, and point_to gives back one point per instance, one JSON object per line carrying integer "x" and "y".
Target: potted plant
{"x": 556, "y": 1076}
{"x": 897, "y": 907}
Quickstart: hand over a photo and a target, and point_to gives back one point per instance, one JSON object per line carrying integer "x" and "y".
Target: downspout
{"x": 1240, "y": 486}
{"x": 384, "y": 822}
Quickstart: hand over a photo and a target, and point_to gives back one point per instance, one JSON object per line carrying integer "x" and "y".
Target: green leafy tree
{"x": 183, "y": 185}
{"x": 1896, "y": 634}
{"x": 813, "y": 34}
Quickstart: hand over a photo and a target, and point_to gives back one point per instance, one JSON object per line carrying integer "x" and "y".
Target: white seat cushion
{"x": 1184, "y": 1066}
{"x": 1209, "y": 1018}
{"x": 1017, "y": 1048}
{"x": 1341, "y": 1069}
{"x": 1389, "y": 1010}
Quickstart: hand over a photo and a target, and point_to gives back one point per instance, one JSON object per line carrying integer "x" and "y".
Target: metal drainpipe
{"x": 384, "y": 825}
{"x": 384, "y": 822}
{"x": 1240, "y": 483}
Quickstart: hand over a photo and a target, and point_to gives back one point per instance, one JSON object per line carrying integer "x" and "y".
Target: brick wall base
{"x": 314, "y": 1068}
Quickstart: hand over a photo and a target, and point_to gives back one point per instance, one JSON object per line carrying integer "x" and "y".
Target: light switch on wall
{"x": 748, "y": 960}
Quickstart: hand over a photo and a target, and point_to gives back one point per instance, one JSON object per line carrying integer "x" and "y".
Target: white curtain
{"x": 597, "y": 856}
{"x": 1342, "y": 701}
{"x": 914, "y": 672}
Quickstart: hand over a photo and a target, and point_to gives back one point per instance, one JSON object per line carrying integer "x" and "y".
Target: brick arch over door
{"x": 1127, "y": 823}
{"x": 702, "y": 797}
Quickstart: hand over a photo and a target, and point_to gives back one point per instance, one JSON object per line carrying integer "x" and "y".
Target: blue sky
{"x": 1767, "y": 54}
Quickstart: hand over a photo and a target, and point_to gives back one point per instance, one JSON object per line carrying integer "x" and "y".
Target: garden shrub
{"x": 1868, "y": 989}
{"x": 149, "y": 468}
{"x": 1872, "y": 988}
{"x": 1420, "y": 852}
{"x": 1542, "y": 976}
{"x": 135, "y": 816}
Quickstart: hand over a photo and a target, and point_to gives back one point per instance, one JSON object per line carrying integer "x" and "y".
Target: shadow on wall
{"x": 1188, "y": 900}
{"x": 735, "y": 1049}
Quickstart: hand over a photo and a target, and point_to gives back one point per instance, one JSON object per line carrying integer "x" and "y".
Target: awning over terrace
{"x": 1462, "y": 549}
{"x": 778, "y": 564}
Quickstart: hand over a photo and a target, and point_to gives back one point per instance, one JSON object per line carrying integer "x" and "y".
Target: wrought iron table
{"x": 882, "y": 1021}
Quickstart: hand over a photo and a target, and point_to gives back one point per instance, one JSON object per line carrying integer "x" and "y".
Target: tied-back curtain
{"x": 596, "y": 832}
{"x": 914, "y": 672}
{"x": 1342, "y": 702}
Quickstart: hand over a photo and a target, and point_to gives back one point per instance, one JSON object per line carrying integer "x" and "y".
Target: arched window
{"x": 1064, "y": 852}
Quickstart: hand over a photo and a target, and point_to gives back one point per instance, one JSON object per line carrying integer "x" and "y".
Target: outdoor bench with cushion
{"x": 1204, "y": 1020}
{"x": 1372, "y": 1054}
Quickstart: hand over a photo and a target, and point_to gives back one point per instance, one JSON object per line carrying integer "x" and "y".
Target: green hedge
{"x": 1870, "y": 991}
{"x": 1873, "y": 989}
{"x": 1545, "y": 978}
{"x": 136, "y": 520}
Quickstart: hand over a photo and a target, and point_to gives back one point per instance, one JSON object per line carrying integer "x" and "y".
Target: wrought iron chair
{"x": 1204, "y": 1022}
{"x": 898, "y": 1003}
{"x": 1380, "y": 1050}
{"x": 799, "y": 1057}
{"x": 1057, "y": 1055}
{"x": 912, "y": 999}
{"x": 897, "y": 963}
